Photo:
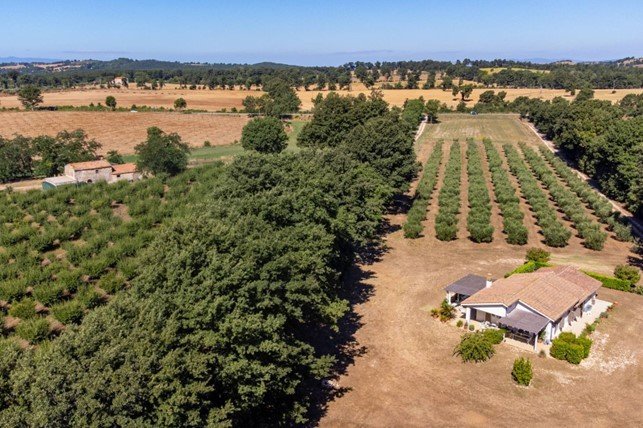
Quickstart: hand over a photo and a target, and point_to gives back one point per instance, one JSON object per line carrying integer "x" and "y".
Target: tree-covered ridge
{"x": 234, "y": 302}
{"x": 507, "y": 73}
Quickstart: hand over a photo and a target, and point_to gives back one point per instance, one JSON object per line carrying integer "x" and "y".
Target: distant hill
{"x": 19, "y": 60}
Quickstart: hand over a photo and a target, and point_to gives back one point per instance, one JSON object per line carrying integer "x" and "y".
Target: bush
{"x": 445, "y": 312}
{"x": 49, "y": 294}
{"x": 494, "y": 335}
{"x": 25, "y": 309}
{"x": 12, "y": 290}
{"x": 571, "y": 348}
{"x": 111, "y": 282}
{"x": 610, "y": 282}
{"x": 459, "y": 324}
{"x": 89, "y": 297}
{"x": 627, "y": 273}
{"x": 537, "y": 255}
{"x": 474, "y": 347}
{"x": 471, "y": 327}
{"x": 69, "y": 312}
{"x": 33, "y": 330}
{"x": 522, "y": 372}
{"x": 558, "y": 349}
{"x": 575, "y": 353}
{"x": 417, "y": 213}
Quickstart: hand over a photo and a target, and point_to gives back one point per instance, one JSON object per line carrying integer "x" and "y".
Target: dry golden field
{"x": 219, "y": 99}
{"x": 122, "y": 131}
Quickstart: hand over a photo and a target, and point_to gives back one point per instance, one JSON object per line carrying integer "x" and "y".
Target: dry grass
{"x": 122, "y": 131}
{"x": 219, "y": 99}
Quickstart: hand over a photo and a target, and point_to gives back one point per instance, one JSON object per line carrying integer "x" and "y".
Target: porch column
{"x": 535, "y": 342}
{"x": 467, "y": 314}
{"x": 449, "y": 297}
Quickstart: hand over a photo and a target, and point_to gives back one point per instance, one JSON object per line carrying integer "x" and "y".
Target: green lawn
{"x": 218, "y": 152}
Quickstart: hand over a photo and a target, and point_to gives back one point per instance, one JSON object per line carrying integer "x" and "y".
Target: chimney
{"x": 489, "y": 281}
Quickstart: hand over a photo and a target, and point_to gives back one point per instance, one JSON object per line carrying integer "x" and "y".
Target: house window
{"x": 96, "y": 171}
{"x": 118, "y": 176}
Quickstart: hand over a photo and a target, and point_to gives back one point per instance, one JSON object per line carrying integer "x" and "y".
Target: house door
{"x": 487, "y": 317}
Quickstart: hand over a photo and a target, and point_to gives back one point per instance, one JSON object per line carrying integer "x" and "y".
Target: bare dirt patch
{"x": 123, "y": 131}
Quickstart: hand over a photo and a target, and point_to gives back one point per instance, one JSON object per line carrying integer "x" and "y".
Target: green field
{"x": 501, "y": 128}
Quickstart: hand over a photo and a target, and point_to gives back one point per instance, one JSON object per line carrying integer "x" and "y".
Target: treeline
{"x": 603, "y": 140}
{"x": 233, "y": 311}
{"x": 23, "y": 157}
{"x": 406, "y": 74}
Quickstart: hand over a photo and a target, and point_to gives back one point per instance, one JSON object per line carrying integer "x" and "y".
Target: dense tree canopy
{"x": 265, "y": 135}
{"x": 604, "y": 140}
{"x": 228, "y": 315}
{"x": 162, "y": 153}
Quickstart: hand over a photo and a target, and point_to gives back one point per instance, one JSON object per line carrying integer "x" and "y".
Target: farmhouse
{"x": 91, "y": 172}
{"x": 530, "y": 305}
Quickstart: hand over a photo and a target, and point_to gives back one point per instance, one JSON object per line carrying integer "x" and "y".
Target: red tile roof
{"x": 126, "y": 168}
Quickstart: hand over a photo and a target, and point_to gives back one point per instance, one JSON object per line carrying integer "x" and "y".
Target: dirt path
{"x": 637, "y": 226}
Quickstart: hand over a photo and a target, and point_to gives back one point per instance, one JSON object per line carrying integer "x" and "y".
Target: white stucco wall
{"x": 101, "y": 174}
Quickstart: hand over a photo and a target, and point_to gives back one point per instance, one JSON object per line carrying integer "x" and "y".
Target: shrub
{"x": 474, "y": 347}
{"x": 12, "y": 290}
{"x": 471, "y": 327}
{"x": 111, "y": 282}
{"x": 89, "y": 297}
{"x": 33, "y": 330}
{"x": 575, "y": 353}
{"x": 49, "y": 294}
{"x": 69, "y": 312}
{"x": 445, "y": 312}
{"x": 558, "y": 349}
{"x": 459, "y": 324}
{"x": 494, "y": 335}
{"x": 522, "y": 372}
{"x": 446, "y": 222}
{"x": 479, "y": 217}
{"x": 571, "y": 348}
{"x": 610, "y": 282}
{"x": 413, "y": 226}
{"x": 25, "y": 309}
{"x": 627, "y": 273}
{"x": 538, "y": 255}
{"x": 554, "y": 233}
{"x": 70, "y": 280}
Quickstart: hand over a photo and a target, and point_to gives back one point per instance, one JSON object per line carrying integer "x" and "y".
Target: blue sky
{"x": 321, "y": 32}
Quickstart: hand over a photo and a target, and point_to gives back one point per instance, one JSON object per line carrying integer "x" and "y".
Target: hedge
{"x": 509, "y": 203}
{"x": 417, "y": 213}
{"x": 446, "y": 222}
{"x": 554, "y": 232}
{"x": 611, "y": 282}
{"x": 567, "y": 201}
{"x": 479, "y": 217}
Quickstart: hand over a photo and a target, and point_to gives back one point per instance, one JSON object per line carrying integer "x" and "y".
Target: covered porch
{"x": 464, "y": 287}
{"x": 523, "y": 326}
